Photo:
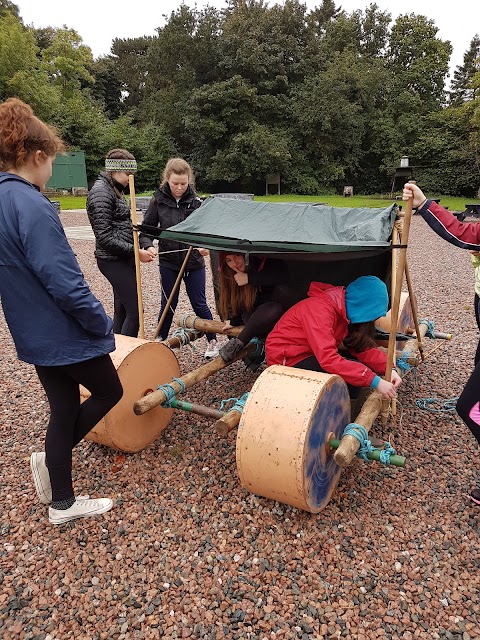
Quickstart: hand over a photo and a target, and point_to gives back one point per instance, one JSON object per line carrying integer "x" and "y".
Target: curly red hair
{"x": 22, "y": 133}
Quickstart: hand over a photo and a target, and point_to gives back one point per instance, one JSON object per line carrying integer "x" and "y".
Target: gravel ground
{"x": 186, "y": 552}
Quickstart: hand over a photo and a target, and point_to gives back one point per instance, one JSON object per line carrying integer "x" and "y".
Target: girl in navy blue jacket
{"x": 56, "y": 322}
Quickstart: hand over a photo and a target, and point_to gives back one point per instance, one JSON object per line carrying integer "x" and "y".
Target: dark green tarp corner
{"x": 295, "y": 228}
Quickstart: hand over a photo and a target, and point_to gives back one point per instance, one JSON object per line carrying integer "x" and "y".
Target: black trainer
{"x": 231, "y": 349}
{"x": 475, "y": 496}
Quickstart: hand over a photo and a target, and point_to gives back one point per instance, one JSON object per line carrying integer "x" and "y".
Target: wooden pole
{"x": 413, "y": 303}
{"x": 228, "y": 422}
{"x": 349, "y": 445}
{"x": 174, "y": 290}
{"x": 395, "y": 237}
{"x": 402, "y": 258}
{"x": 207, "y": 326}
{"x": 411, "y": 346}
{"x": 175, "y": 341}
{"x": 158, "y": 397}
{"x": 136, "y": 250}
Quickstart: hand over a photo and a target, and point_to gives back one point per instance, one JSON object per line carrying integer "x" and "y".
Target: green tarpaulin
{"x": 295, "y": 228}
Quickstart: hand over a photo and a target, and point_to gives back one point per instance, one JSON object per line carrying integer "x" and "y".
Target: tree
{"x": 17, "y": 50}
{"x": 9, "y": 8}
{"x": 461, "y": 87}
{"x": 418, "y": 60}
{"x": 68, "y": 61}
{"x": 107, "y": 88}
{"x": 130, "y": 56}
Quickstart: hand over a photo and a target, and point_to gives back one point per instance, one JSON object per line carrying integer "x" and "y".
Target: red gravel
{"x": 186, "y": 552}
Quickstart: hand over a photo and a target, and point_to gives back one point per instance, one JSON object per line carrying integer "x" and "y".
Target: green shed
{"x": 68, "y": 172}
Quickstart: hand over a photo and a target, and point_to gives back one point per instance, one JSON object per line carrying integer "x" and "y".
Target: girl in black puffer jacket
{"x": 109, "y": 216}
{"x": 174, "y": 201}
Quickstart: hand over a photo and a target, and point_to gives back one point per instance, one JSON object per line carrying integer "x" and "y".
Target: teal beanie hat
{"x": 366, "y": 299}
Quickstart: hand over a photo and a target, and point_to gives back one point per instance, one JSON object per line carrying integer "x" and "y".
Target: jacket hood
{"x": 334, "y": 292}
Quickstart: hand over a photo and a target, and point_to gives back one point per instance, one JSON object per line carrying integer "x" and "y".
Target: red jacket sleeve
{"x": 373, "y": 358}
{"x": 465, "y": 235}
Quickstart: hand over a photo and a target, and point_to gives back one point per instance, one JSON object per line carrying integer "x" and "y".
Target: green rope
{"x": 360, "y": 433}
{"x": 446, "y": 405}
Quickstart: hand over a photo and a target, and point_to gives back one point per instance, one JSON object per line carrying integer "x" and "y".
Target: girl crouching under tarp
{"x": 309, "y": 334}
{"x": 253, "y": 294}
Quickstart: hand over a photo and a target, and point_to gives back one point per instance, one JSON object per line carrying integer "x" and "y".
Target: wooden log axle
{"x": 158, "y": 396}
{"x": 228, "y": 422}
{"x": 349, "y": 445}
{"x": 207, "y": 326}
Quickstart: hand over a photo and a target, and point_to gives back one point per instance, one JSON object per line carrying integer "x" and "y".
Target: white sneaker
{"x": 81, "y": 508}
{"x": 212, "y": 349}
{"x": 41, "y": 477}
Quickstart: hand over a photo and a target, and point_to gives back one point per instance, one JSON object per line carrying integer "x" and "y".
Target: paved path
{"x": 79, "y": 233}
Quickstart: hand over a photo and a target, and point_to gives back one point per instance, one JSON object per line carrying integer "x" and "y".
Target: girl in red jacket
{"x": 466, "y": 236}
{"x": 309, "y": 334}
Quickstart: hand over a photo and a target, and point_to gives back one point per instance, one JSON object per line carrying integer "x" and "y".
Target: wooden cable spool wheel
{"x": 405, "y": 321}
{"x": 283, "y": 450}
{"x": 141, "y": 367}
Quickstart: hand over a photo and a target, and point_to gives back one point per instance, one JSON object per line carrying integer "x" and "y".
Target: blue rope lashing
{"x": 259, "y": 347}
{"x": 402, "y": 364}
{"x": 431, "y": 328}
{"x": 170, "y": 392}
{"x": 223, "y": 403}
{"x": 446, "y": 405}
{"x": 185, "y": 336}
{"x": 360, "y": 433}
{"x": 238, "y": 405}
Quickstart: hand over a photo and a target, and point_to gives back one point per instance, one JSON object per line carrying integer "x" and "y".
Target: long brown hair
{"x": 233, "y": 299}
{"x": 360, "y": 336}
{"x": 23, "y": 134}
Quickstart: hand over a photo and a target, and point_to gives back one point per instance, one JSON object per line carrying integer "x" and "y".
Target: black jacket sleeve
{"x": 107, "y": 224}
{"x": 272, "y": 273}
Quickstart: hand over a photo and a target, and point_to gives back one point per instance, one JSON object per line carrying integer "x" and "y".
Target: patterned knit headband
{"x": 119, "y": 164}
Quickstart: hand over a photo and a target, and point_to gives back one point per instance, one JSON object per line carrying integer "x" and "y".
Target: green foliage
{"x": 323, "y": 97}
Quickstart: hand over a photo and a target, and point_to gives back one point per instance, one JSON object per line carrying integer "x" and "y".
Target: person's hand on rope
{"x": 145, "y": 255}
{"x": 386, "y": 388}
{"x": 411, "y": 190}
{"x": 152, "y": 251}
{"x": 241, "y": 278}
{"x": 203, "y": 252}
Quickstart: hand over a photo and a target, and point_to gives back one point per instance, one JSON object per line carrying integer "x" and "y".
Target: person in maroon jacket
{"x": 466, "y": 236}
{"x": 309, "y": 334}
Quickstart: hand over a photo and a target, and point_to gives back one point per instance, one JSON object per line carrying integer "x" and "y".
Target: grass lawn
{"x": 453, "y": 203}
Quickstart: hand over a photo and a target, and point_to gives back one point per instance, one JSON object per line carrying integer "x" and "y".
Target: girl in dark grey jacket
{"x": 109, "y": 216}
{"x": 174, "y": 201}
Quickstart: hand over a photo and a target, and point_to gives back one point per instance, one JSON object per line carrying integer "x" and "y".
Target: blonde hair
{"x": 180, "y": 167}
{"x": 22, "y": 134}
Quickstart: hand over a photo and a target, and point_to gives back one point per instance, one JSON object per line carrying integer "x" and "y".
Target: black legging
{"x": 70, "y": 420}
{"x": 468, "y": 407}
{"x": 121, "y": 275}
{"x": 261, "y": 321}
